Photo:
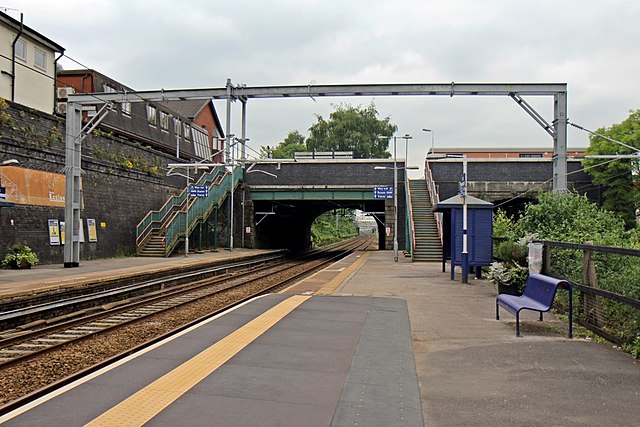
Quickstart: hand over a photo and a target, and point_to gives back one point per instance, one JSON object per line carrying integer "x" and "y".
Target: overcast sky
{"x": 593, "y": 45}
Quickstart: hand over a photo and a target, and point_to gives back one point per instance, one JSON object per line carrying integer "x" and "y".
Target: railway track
{"x": 22, "y": 313}
{"x": 28, "y": 355}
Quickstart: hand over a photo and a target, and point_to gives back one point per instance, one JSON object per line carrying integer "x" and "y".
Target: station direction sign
{"x": 382, "y": 192}
{"x": 199, "y": 191}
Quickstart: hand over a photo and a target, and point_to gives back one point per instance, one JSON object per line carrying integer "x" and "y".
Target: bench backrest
{"x": 542, "y": 288}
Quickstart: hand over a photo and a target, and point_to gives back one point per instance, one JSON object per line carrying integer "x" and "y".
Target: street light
{"x": 406, "y": 137}
{"x": 432, "y": 138}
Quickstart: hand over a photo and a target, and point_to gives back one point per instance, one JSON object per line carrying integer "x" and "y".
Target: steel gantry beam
{"x": 242, "y": 93}
{"x": 314, "y": 91}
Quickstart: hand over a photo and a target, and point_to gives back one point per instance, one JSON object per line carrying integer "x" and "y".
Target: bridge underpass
{"x": 284, "y": 201}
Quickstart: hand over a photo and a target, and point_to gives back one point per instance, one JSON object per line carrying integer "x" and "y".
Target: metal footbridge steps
{"x": 428, "y": 247}
{"x": 161, "y": 230}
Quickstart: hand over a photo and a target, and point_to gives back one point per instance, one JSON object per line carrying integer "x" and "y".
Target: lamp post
{"x": 465, "y": 250}
{"x": 406, "y": 137}
{"x": 432, "y": 139}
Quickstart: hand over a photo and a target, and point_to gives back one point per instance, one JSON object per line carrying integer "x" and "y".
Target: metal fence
{"x": 606, "y": 284}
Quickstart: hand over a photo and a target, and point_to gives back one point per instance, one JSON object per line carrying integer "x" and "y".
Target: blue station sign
{"x": 199, "y": 191}
{"x": 383, "y": 192}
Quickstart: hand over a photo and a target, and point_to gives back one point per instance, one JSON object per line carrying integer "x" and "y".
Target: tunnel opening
{"x": 288, "y": 224}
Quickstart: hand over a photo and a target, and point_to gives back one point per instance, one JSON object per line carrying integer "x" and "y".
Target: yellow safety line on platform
{"x": 335, "y": 283}
{"x": 151, "y": 400}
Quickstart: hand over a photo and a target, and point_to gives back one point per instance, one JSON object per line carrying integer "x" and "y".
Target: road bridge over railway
{"x": 275, "y": 201}
{"x": 510, "y": 182}
{"x": 283, "y": 198}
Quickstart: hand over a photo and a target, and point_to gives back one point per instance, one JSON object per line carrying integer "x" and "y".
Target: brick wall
{"x": 121, "y": 180}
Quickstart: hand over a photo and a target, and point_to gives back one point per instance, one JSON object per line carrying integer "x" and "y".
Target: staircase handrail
{"x": 200, "y": 208}
{"x": 157, "y": 220}
{"x": 409, "y": 214}
{"x": 434, "y": 196}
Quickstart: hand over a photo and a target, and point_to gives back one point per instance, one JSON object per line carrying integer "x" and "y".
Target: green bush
{"x": 572, "y": 218}
{"x": 512, "y": 252}
{"x": 20, "y": 256}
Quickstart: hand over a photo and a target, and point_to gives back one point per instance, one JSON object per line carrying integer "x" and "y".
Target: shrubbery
{"x": 572, "y": 218}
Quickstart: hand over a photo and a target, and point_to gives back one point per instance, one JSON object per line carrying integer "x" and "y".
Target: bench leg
{"x": 497, "y": 312}
{"x": 541, "y": 316}
{"x": 517, "y": 323}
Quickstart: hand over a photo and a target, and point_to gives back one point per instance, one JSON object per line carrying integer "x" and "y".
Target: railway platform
{"x": 364, "y": 342}
{"x": 54, "y": 276}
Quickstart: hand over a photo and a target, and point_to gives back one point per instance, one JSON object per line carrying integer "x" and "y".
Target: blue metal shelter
{"x": 479, "y": 232}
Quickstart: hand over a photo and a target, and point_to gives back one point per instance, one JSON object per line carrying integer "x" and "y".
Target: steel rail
{"x": 29, "y": 345}
{"x": 14, "y": 404}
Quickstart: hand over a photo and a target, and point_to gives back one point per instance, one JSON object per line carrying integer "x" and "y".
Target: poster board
{"x": 91, "y": 228}
{"x": 54, "y": 232}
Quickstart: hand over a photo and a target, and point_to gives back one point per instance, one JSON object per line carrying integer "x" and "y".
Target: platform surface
{"x": 51, "y": 276}
{"x": 339, "y": 361}
{"x": 471, "y": 369}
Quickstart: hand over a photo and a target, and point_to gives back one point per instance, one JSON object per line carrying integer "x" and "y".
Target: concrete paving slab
{"x": 474, "y": 371}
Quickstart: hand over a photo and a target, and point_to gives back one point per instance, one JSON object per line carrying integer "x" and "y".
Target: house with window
{"x": 508, "y": 152}
{"x": 185, "y": 131}
{"x": 27, "y": 65}
{"x": 205, "y": 120}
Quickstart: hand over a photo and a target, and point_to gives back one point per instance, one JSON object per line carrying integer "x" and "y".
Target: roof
{"x": 188, "y": 108}
{"x": 45, "y": 41}
{"x": 456, "y": 201}
{"x": 191, "y": 107}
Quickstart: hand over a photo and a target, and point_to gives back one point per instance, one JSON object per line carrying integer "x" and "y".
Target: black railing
{"x": 606, "y": 283}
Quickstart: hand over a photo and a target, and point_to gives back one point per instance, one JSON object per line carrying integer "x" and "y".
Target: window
{"x": 177, "y": 127}
{"x": 40, "y": 59}
{"x": 21, "y": 50}
{"x": 201, "y": 143}
{"x": 164, "y": 121}
{"x": 152, "y": 115}
{"x": 109, "y": 89}
{"x": 187, "y": 132}
{"x": 126, "y": 108}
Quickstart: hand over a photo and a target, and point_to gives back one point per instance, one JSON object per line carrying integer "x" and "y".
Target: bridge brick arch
{"x": 282, "y": 209}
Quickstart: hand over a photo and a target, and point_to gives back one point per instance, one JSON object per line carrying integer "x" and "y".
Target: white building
{"x": 27, "y": 65}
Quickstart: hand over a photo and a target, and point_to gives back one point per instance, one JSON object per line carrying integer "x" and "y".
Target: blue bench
{"x": 539, "y": 293}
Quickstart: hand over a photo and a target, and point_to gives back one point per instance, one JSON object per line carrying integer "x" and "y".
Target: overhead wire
{"x": 578, "y": 170}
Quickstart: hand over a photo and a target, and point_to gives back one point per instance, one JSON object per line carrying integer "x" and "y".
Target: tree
{"x": 352, "y": 129}
{"x": 619, "y": 177}
{"x": 285, "y": 149}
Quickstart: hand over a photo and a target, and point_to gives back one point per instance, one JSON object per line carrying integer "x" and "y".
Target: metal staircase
{"x": 428, "y": 246}
{"x": 160, "y": 231}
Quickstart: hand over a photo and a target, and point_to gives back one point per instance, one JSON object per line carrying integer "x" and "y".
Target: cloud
{"x": 589, "y": 44}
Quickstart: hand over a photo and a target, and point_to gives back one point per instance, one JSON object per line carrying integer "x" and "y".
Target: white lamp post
{"x": 407, "y": 137}
{"x": 432, "y": 139}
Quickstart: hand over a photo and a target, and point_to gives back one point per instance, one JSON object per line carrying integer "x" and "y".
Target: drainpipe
{"x": 55, "y": 82}
{"x": 13, "y": 61}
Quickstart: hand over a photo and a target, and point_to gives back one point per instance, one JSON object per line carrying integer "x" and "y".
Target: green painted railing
{"x": 199, "y": 208}
{"x": 159, "y": 221}
{"x": 410, "y": 244}
{"x": 435, "y": 197}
